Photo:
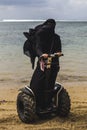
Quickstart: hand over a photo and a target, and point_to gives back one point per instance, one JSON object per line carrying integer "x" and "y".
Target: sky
{"x": 43, "y": 9}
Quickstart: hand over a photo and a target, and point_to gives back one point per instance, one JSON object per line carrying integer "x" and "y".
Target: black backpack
{"x": 30, "y": 45}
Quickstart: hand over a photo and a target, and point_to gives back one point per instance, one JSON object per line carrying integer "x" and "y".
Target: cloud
{"x": 78, "y": 2}
{"x": 69, "y": 9}
{"x": 22, "y": 2}
{"x": 43, "y": 9}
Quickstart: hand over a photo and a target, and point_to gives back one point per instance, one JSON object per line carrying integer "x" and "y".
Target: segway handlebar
{"x": 47, "y": 62}
{"x": 55, "y": 55}
{"x": 51, "y": 56}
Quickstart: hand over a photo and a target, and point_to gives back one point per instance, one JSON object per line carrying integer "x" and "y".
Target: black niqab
{"x": 45, "y": 36}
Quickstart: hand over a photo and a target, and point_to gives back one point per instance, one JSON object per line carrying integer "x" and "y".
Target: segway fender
{"x": 58, "y": 87}
{"x": 27, "y": 91}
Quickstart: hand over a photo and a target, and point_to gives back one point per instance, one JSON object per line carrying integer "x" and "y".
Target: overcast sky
{"x": 43, "y": 9}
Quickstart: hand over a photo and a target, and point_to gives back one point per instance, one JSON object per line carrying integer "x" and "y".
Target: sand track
{"x": 77, "y": 119}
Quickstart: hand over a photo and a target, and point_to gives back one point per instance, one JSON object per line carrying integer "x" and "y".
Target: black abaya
{"x": 46, "y": 42}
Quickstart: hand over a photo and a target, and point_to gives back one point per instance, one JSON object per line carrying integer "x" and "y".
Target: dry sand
{"x": 77, "y": 119}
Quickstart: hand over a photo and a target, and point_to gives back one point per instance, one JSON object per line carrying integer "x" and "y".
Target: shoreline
{"x": 18, "y": 78}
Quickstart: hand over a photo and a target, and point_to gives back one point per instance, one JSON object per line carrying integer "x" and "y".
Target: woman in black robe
{"x": 47, "y": 42}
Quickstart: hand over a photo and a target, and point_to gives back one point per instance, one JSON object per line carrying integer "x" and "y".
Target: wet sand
{"x": 77, "y": 119}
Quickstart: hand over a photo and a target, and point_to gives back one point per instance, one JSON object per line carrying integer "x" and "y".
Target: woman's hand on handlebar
{"x": 45, "y": 55}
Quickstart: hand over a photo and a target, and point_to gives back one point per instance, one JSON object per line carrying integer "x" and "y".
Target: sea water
{"x": 15, "y": 65}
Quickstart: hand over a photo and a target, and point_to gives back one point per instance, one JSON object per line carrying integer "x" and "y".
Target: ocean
{"x": 14, "y": 65}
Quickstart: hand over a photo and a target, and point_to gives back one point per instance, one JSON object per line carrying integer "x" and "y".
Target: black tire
{"x": 63, "y": 103}
{"x": 26, "y": 107}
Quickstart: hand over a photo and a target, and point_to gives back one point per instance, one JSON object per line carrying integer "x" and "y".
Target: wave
{"x": 22, "y": 20}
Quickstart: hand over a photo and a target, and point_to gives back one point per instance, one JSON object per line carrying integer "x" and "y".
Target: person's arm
{"x": 38, "y": 46}
{"x": 58, "y": 46}
{"x": 39, "y": 50}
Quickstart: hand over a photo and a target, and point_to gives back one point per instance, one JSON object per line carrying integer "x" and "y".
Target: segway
{"x": 26, "y": 101}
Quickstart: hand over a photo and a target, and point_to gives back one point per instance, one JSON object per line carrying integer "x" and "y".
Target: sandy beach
{"x": 77, "y": 119}
{"x": 16, "y": 72}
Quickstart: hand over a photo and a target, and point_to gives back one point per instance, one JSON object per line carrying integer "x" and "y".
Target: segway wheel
{"x": 63, "y": 103}
{"x": 26, "y": 107}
